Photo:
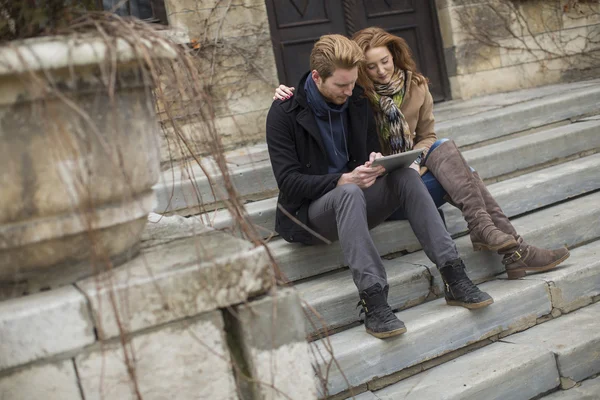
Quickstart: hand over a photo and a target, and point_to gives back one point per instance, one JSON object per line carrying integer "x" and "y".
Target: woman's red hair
{"x": 370, "y": 38}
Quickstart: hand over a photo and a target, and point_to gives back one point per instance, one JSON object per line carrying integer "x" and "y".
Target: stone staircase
{"x": 537, "y": 150}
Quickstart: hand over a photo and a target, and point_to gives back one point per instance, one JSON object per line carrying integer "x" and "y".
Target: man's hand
{"x": 363, "y": 176}
{"x": 416, "y": 167}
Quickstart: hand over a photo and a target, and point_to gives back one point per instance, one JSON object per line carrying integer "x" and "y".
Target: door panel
{"x": 297, "y": 24}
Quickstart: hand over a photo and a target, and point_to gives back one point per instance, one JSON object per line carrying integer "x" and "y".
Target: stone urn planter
{"x": 77, "y": 161}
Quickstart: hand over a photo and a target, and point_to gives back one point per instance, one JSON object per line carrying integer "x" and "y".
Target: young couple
{"x": 323, "y": 137}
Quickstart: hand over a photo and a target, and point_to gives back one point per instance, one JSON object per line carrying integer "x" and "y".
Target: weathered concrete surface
{"x": 180, "y": 279}
{"x": 497, "y": 372}
{"x": 577, "y": 281}
{"x": 165, "y": 229}
{"x": 42, "y": 325}
{"x": 521, "y": 116}
{"x": 433, "y": 330}
{"x": 185, "y": 361}
{"x": 334, "y": 296}
{"x": 364, "y": 396}
{"x": 271, "y": 335}
{"x": 573, "y": 338}
{"x": 588, "y": 390}
{"x": 526, "y": 151}
{"x": 53, "y": 381}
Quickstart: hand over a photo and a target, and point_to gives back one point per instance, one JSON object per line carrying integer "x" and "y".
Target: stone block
{"x": 587, "y": 390}
{"x": 577, "y": 281}
{"x": 540, "y": 16}
{"x": 184, "y": 361}
{"x": 53, "y": 381}
{"x": 211, "y": 23}
{"x": 585, "y": 14}
{"x": 517, "y": 306}
{"x": 271, "y": 334}
{"x": 474, "y": 56}
{"x": 574, "y": 339}
{"x": 177, "y": 280}
{"x": 446, "y": 27}
{"x": 42, "y": 325}
{"x": 496, "y": 372}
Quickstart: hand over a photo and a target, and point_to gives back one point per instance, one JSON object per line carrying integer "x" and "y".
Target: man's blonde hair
{"x": 334, "y": 51}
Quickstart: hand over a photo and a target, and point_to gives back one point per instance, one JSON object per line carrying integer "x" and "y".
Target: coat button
{"x": 291, "y": 238}
{"x": 308, "y": 165}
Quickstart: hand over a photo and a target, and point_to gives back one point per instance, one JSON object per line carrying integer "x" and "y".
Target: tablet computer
{"x": 400, "y": 160}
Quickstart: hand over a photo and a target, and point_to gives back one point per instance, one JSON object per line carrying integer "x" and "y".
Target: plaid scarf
{"x": 393, "y": 129}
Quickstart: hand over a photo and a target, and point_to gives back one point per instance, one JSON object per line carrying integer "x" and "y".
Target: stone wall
{"x": 235, "y": 57}
{"x": 182, "y": 320}
{"x": 494, "y": 46}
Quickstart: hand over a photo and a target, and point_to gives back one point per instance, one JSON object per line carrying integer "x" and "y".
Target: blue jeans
{"x": 434, "y": 188}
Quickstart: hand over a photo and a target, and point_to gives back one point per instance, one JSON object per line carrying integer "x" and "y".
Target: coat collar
{"x": 306, "y": 117}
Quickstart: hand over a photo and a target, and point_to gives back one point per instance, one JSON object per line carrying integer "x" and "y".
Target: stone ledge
{"x": 42, "y": 325}
{"x": 187, "y": 360}
{"x": 269, "y": 330}
{"x": 577, "y": 281}
{"x": 53, "y": 381}
{"x": 586, "y": 390}
{"x": 574, "y": 339}
{"x": 180, "y": 279}
{"x": 496, "y": 372}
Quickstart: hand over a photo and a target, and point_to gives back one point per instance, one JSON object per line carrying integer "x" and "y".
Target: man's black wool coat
{"x": 299, "y": 159}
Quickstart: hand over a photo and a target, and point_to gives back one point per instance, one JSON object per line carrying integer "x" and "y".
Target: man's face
{"x": 338, "y": 87}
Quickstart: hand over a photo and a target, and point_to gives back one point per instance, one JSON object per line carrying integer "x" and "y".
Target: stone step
{"x": 298, "y": 261}
{"x": 514, "y": 195}
{"x": 520, "y": 366}
{"x": 587, "y": 390}
{"x": 574, "y": 339}
{"x": 521, "y": 116}
{"x": 253, "y": 178}
{"x": 434, "y": 329}
{"x": 527, "y": 151}
{"x": 497, "y": 372}
{"x": 573, "y": 285}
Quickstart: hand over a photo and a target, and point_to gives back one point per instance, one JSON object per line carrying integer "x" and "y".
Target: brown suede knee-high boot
{"x": 451, "y": 170}
{"x": 522, "y": 257}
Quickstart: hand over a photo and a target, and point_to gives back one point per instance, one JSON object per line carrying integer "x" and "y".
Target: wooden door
{"x": 297, "y": 24}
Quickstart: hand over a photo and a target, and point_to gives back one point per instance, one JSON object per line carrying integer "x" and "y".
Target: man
{"x": 322, "y": 143}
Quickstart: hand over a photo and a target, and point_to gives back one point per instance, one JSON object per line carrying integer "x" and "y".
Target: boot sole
{"x": 521, "y": 272}
{"x": 479, "y": 246}
{"x": 470, "y": 306}
{"x": 383, "y": 335}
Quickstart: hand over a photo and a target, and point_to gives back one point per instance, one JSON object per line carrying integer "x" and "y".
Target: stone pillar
{"x": 270, "y": 335}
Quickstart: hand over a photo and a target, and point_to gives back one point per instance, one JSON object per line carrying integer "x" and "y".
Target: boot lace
{"x": 382, "y": 312}
{"x": 466, "y": 287}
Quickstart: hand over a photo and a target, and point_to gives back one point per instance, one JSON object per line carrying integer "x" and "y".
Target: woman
{"x": 403, "y": 108}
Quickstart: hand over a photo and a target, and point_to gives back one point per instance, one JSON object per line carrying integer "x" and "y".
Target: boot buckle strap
{"x": 514, "y": 257}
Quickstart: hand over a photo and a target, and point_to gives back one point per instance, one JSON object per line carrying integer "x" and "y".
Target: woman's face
{"x": 380, "y": 64}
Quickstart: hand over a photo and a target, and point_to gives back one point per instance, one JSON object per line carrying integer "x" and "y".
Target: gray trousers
{"x": 348, "y": 213}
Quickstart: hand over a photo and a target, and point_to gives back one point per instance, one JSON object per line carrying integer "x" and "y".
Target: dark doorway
{"x": 297, "y": 24}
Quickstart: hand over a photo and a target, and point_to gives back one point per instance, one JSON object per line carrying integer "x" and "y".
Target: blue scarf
{"x": 333, "y": 132}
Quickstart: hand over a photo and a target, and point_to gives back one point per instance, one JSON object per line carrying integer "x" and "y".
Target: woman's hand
{"x": 283, "y": 92}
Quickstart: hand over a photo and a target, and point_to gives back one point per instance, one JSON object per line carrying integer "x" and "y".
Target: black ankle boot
{"x": 459, "y": 289}
{"x": 380, "y": 321}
